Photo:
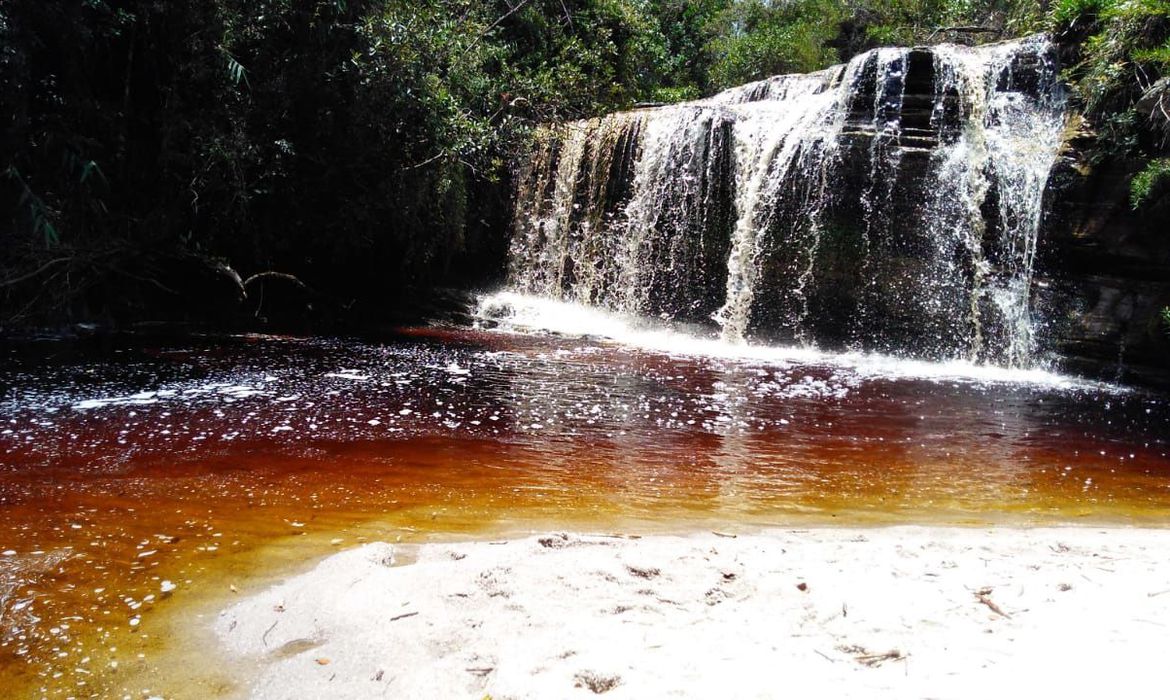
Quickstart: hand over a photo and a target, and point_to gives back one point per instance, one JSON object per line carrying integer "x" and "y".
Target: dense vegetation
{"x": 1121, "y": 80}
{"x": 360, "y": 148}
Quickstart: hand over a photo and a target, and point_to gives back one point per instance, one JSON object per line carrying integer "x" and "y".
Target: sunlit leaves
{"x": 235, "y": 70}
{"x": 1155, "y": 176}
{"x": 760, "y": 39}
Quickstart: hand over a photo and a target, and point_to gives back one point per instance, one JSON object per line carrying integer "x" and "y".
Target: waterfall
{"x": 891, "y": 204}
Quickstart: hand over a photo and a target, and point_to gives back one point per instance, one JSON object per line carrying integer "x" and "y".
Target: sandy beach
{"x": 929, "y": 612}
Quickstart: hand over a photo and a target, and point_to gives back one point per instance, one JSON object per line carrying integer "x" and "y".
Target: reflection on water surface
{"x": 172, "y": 462}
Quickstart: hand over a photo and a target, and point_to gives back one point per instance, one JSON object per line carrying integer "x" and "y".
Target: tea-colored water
{"x": 210, "y": 464}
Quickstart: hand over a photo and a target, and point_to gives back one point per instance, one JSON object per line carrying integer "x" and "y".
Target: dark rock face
{"x": 1105, "y": 274}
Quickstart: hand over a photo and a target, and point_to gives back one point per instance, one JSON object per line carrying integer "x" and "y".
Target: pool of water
{"x": 134, "y": 474}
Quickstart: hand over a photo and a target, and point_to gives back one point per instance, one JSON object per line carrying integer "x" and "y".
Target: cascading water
{"x": 891, "y": 204}
{"x": 783, "y": 148}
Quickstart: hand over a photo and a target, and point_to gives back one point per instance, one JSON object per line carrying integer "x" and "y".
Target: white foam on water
{"x": 225, "y": 391}
{"x": 350, "y": 374}
{"x": 514, "y": 312}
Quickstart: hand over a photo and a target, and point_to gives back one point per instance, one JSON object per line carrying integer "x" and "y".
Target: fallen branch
{"x": 403, "y": 616}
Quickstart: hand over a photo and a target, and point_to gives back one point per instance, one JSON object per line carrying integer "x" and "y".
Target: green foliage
{"x": 753, "y": 39}
{"x": 758, "y": 38}
{"x": 908, "y": 22}
{"x": 1156, "y": 174}
{"x": 1125, "y": 49}
{"x": 684, "y": 53}
{"x": 236, "y": 71}
{"x": 903, "y": 22}
{"x": 1067, "y": 13}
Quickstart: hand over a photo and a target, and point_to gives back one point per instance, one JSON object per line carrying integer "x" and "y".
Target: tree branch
{"x": 270, "y": 275}
{"x": 519, "y": 6}
{"x": 34, "y": 273}
{"x": 428, "y": 161}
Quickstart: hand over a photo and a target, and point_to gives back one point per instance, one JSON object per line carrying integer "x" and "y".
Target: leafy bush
{"x": 757, "y": 39}
{"x": 1125, "y": 46}
{"x": 1124, "y": 51}
{"x": 1155, "y": 175}
{"x": 1067, "y": 13}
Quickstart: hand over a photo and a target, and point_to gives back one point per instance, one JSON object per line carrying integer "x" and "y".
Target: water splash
{"x": 512, "y": 312}
{"x": 1000, "y": 115}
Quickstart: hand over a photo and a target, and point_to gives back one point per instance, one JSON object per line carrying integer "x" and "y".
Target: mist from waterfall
{"x": 891, "y": 204}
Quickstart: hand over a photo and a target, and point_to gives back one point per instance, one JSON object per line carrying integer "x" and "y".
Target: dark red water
{"x": 180, "y": 461}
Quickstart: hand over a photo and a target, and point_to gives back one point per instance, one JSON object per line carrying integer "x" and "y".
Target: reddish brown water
{"x": 182, "y": 462}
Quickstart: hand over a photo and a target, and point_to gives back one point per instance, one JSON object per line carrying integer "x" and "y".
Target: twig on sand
{"x": 826, "y": 656}
{"x": 875, "y": 660}
{"x": 865, "y": 658}
{"x": 403, "y": 616}
{"x": 264, "y": 637}
{"x": 981, "y": 596}
{"x": 723, "y": 534}
{"x": 480, "y": 671}
{"x": 1155, "y": 594}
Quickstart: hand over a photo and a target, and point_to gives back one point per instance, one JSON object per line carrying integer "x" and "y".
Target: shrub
{"x": 1146, "y": 183}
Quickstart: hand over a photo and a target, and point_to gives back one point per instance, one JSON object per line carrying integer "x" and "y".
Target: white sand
{"x": 706, "y": 616}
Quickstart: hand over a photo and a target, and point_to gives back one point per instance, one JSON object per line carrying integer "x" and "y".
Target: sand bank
{"x": 890, "y": 613}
